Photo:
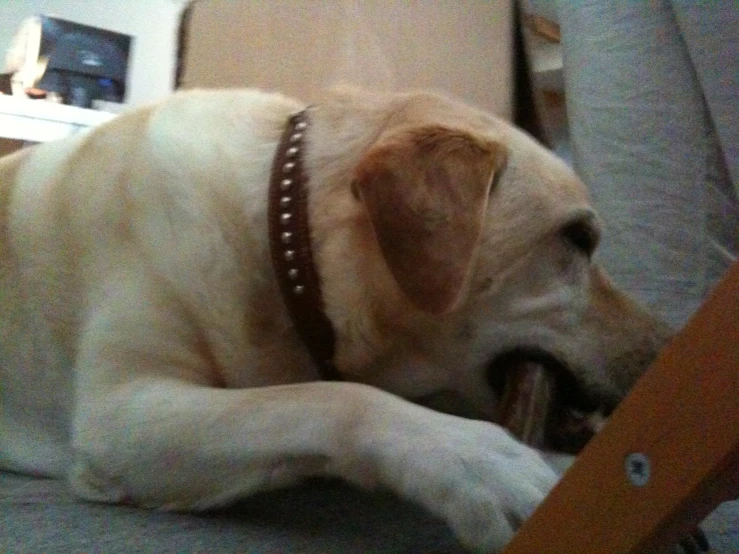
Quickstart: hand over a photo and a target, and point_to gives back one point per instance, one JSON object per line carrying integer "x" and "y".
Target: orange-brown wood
{"x": 683, "y": 415}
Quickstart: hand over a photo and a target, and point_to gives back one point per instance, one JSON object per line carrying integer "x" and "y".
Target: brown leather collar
{"x": 290, "y": 245}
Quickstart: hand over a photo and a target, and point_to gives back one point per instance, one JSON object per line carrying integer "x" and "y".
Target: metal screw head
{"x": 638, "y": 468}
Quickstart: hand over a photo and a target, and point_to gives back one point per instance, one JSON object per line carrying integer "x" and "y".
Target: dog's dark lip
{"x": 570, "y": 392}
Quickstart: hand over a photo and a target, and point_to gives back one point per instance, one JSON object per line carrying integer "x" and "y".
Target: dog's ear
{"x": 425, "y": 191}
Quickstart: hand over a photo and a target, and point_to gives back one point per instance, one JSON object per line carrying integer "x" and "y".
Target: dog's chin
{"x": 578, "y": 410}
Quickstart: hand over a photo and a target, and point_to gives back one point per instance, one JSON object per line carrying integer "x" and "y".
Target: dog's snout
{"x": 627, "y": 367}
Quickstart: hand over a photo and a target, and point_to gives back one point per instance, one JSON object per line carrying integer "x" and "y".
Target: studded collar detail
{"x": 290, "y": 246}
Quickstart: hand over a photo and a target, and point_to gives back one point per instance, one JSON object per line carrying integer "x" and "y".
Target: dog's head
{"x": 458, "y": 243}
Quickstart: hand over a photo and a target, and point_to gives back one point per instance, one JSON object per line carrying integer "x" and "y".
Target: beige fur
{"x": 146, "y": 355}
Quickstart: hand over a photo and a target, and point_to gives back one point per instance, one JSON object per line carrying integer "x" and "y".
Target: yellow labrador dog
{"x": 149, "y": 336}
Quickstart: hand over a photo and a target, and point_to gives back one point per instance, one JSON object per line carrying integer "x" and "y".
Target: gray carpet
{"x": 40, "y": 516}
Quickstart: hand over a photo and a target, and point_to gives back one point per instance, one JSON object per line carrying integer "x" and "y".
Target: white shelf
{"x": 41, "y": 121}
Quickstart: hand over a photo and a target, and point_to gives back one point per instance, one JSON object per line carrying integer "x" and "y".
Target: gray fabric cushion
{"x": 709, "y": 30}
{"x": 645, "y": 142}
{"x": 39, "y": 515}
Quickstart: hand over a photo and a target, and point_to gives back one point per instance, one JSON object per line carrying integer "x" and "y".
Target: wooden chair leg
{"x": 668, "y": 455}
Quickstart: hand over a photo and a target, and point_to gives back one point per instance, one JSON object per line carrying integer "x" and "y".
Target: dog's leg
{"x": 149, "y": 430}
{"x": 177, "y": 445}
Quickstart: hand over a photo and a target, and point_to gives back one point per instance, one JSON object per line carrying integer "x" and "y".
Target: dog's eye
{"x": 582, "y": 234}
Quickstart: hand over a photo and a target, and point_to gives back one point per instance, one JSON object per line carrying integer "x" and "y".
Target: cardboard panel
{"x": 300, "y": 47}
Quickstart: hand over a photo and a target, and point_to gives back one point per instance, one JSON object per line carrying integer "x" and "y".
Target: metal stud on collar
{"x": 290, "y": 247}
{"x": 285, "y": 217}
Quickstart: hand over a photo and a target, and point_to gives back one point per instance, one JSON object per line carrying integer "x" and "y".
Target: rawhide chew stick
{"x": 527, "y": 402}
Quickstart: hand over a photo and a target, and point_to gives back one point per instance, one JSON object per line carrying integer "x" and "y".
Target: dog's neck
{"x": 359, "y": 293}
{"x": 290, "y": 245}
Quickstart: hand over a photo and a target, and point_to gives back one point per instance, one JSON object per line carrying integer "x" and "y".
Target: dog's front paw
{"x": 473, "y": 474}
{"x": 485, "y": 494}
